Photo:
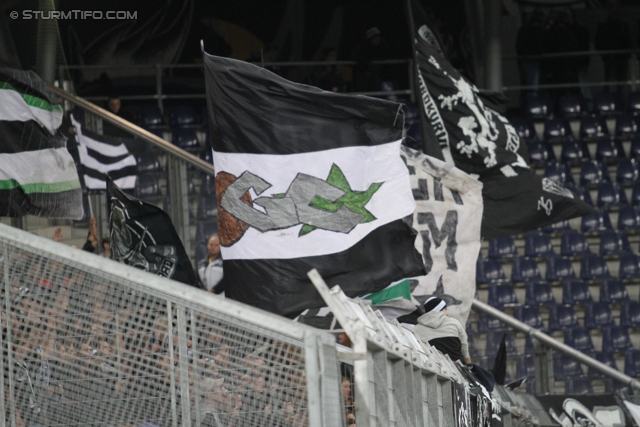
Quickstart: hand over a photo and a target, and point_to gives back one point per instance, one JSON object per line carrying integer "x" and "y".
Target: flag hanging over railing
{"x": 101, "y": 155}
{"x": 306, "y": 179}
{"x": 37, "y": 174}
{"x": 480, "y": 141}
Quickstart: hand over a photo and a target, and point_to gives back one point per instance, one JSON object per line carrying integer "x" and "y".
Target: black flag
{"x": 499, "y": 370}
{"x": 143, "y": 236}
{"x": 463, "y": 125}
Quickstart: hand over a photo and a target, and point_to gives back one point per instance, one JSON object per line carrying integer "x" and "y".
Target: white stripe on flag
{"x": 102, "y": 148}
{"x": 14, "y": 108}
{"x": 362, "y": 167}
{"x": 90, "y": 162}
{"x": 46, "y": 166}
{"x": 127, "y": 183}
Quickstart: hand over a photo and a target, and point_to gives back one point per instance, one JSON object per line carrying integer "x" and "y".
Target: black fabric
{"x": 252, "y": 110}
{"x": 432, "y": 303}
{"x": 15, "y": 203}
{"x": 143, "y": 235}
{"x": 513, "y": 205}
{"x": 28, "y": 83}
{"x": 499, "y": 370}
{"x": 464, "y": 123}
{"x": 282, "y": 286}
{"x": 449, "y": 345}
{"x": 18, "y": 137}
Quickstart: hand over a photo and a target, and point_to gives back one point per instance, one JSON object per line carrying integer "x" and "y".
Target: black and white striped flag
{"x": 101, "y": 155}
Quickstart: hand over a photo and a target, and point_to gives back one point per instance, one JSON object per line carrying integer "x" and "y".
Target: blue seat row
{"x": 572, "y": 105}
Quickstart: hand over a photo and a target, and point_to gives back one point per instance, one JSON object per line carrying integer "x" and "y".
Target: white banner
{"x": 447, "y": 217}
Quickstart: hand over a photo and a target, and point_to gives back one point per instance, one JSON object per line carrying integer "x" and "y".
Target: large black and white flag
{"x": 480, "y": 141}
{"x": 37, "y": 173}
{"x": 101, "y": 155}
{"x": 143, "y": 236}
{"x": 306, "y": 179}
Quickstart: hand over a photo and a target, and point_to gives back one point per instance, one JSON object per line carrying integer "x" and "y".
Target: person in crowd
{"x": 92, "y": 237}
{"x": 441, "y": 331}
{"x": 328, "y": 77}
{"x": 210, "y": 268}
{"x": 530, "y": 42}
{"x": 367, "y": 75}
{"x": 106, "y": 248}
{"x": 613, "y": 34}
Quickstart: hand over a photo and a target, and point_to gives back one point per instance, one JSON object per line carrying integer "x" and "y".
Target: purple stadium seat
{"x": 559, "y": 173}
{"x": 634, "y": 152}
{"x": 571, "y": 105}
{"x": 616, "y": 339}
{"x": 635, "y": 194}
{"x": 524, "y": 269}
{"x": 148, "y": 163}
{"x": 578, "y": 384}
{"x": 538, "y": 245}
{"x": 557, "y": 227}
{"x": 579, "y": 338}
{"x": 598, "y": 315}
{"x": 559, "y": 268}
{"x": 607, "y": 103}
{"x": 556, "y": 128}
{"x": 572, "y": 153}
{"x": 539, "y": 293}
{"x": 576, "y": 292}
{"x": 529, "y": 315}
{"x": 538, "y": 106}
{"x": 626, "y": 126}
{"x": 524, "y": 127}
{"x": 150, "y": 117}
{"x": 630, "y": 314}
{"x": 491, "y": 271}
{"x": 632, "y": 363}
{"x": 628, "y": 218}
{"x": 502, "y": 247}
{"x": 147, "y": 186}
{"x": 614, "y": 243}
{"x": 611, "y": 195}
{"x": 627, "y": 171}
{"x": 633, "y": 102}
{"x": 613, "y": 291}
{"x": 566, "y": 367}
{"x": 606, "y": 358}
{"x": 629, "y": 267}
{"x": 573, "y": 243}
{"x": 607, "y": 150}
{"x": 502, "y": 295}
{"x": 186, "y": 139}
{"x": 593, "y": 173}
{"x": 594, "y": 267}
{"x": 493, "y": 343}
{"x": 596, "y": 222}
{"x": 582, "y": 193}
{"x": 562, "y": 317}
{"x": 183, "y": 116}
{"x": 593, "y": 126}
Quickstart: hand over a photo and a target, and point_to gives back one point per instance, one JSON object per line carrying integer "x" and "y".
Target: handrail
{"x": 136, "y": 130}
{"x": 574, "y": 53}
{"x": 551, "y": 342}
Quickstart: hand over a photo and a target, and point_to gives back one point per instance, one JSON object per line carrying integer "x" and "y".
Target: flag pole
{"x": 428, "y": 146}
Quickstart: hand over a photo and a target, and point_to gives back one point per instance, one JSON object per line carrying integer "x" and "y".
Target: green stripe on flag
{"x": 31, "y": 100}
{"x": 399, "y": 290}
{"x": 40, "y": 187}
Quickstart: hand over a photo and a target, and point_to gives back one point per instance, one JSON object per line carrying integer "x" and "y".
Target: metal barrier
{"x": 88, "y": 341}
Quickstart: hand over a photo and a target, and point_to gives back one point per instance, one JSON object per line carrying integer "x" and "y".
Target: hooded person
{"x": 441, "y": 331}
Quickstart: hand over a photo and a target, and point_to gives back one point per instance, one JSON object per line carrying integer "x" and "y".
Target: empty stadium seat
{"x": 632, "y": 363}
{"x": 148, "y": 163}
{"x": 566, "y": 367}
{"x": 561, "y": 317}
{"x": 493, "y": 343}
{"x": 525, "y": 129}
{"x": 611, "y": 195}
{"x": 593, "y": 173}
{"x": 538, "y": 245}
{"x": 578, "y": 384}
{"x": 630, "y": 314}
{"x": 596, "y": 222}
{"x": 634, "y": 151}
{"x": 502, "y": 295}
{"x": 579, "y": 338}
{"x": 502, "y": 247}
{"x": 183, "y": 116}
{"x": 186, "y": 139}
{"x": 556, "y": 128}
{"x": 206, "y": 155}
{"x": 573, "y": 243}
{"x": 633, "y": 102}
{"x": 557, "y": 227}
{"x": 559, "y": 173}
{"x": 594, "y": 267}
{"x": 635, "y": 194}
{"x": 627, "y": 171}
{"x": 598, "y": 315}
{"x": 150, "y": 117}
{"x": 629, "y": 267}
{"x": 593, "y": 126}
{"x": 571, "y": 105}
{"x": 616, "y": 339}
{"x": 539, "y": 153}
{"x": 626, "y": 126}
{"x": 576, "y": 292}
{"x": 607, "y": 151}
{"x": 492, "y": 271}
{"x": 524, "y": 269}
{"x": 539, "y": 293}
{"x": 206, "y": 228}
{"x": 571, "y": 153}
{"x": 613, "y": 291}
{"x": 538, "y": 106}
{"x": 525, "y": 366}
{"x": 559, "y": 268}
{"x": 488, "y": 323}
{"x": 582, "y": 193}
{"x": 207, "y": 207}
{"x": 607, "y": 103}
{"x": 614, "y": 243}
{"x": 606, "y": 358}
{"x": 147, "y": 186}
{"x": 531, "y": 316}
